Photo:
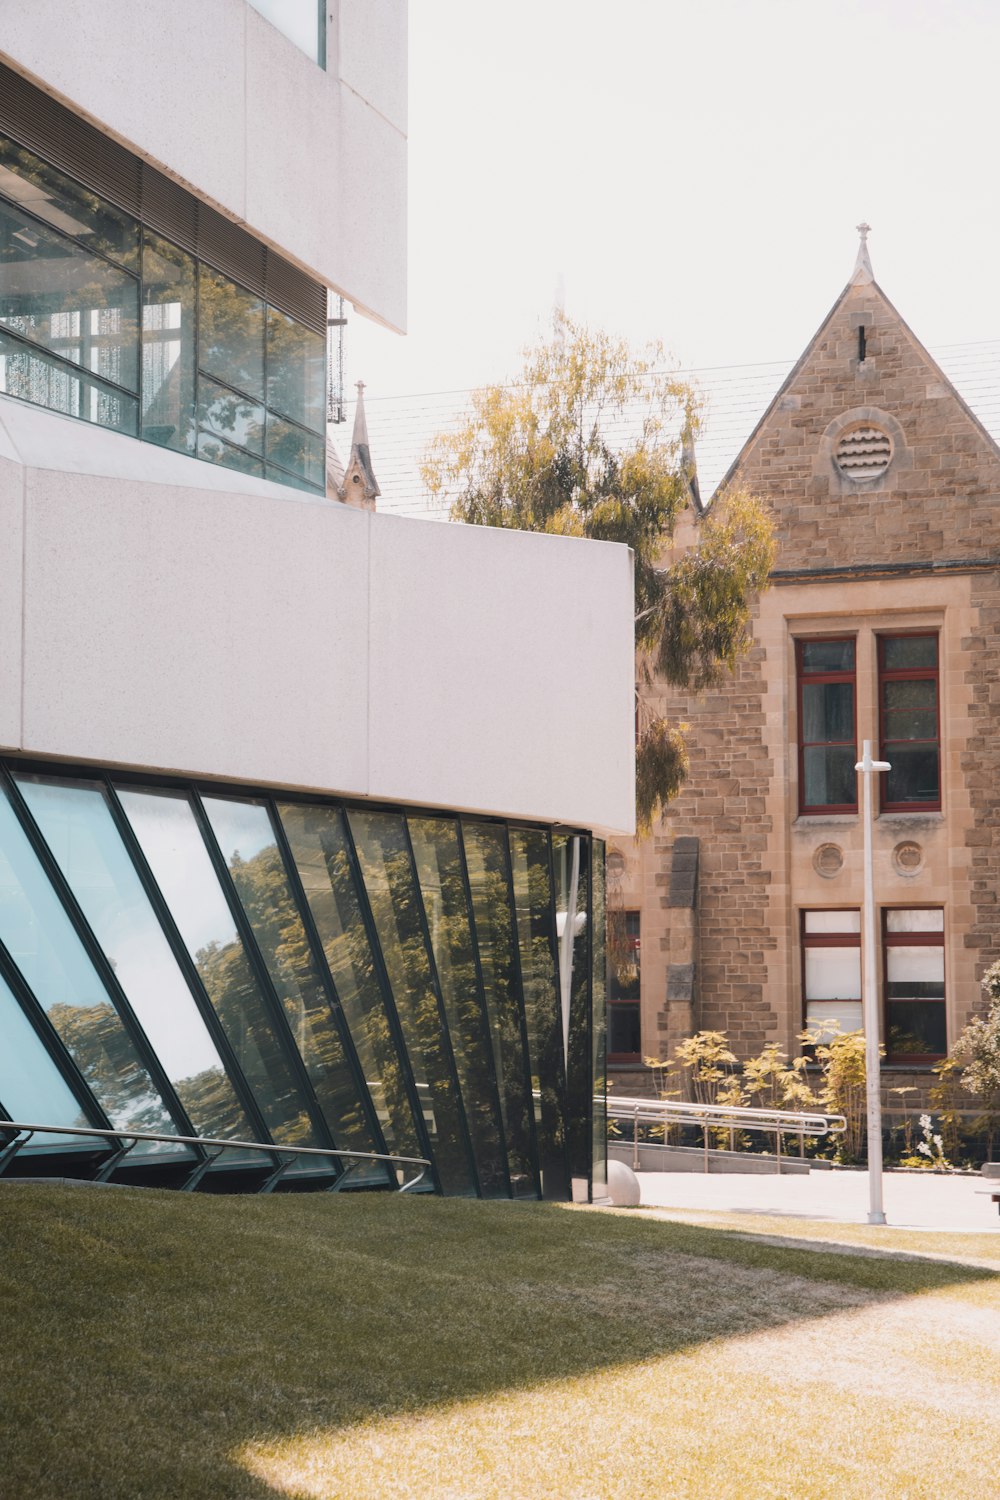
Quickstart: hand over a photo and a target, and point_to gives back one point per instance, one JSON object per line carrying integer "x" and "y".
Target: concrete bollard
{"x": 623, "y": 1185}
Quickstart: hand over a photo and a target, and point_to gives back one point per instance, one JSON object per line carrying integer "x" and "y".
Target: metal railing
{"x": 23, "y": 1134}
{"x": 728, "y": 1117}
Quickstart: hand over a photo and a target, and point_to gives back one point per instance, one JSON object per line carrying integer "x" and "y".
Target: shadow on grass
{"x": 148, "y": 1336}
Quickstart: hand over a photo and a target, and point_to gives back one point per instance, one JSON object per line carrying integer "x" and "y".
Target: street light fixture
{"x": 869, "y": 997}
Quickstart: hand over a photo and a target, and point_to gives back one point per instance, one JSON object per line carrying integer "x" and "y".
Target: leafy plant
{"x": 841, "y": 1056}
{"x": 977, "y": 1051}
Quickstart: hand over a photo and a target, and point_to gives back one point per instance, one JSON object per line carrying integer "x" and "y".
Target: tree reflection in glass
{"x": 168, "y": 343}
{"x": 570, "y": 859}
{"x": 493, "y": 912}
{"x": 318, "y": 842}
{"x": 438, "y": 860}
{"x": 246, "y": 838}
{"x": 31, "y": 1087}
{"x": 384, "y": 857}
{"x": 529, "y": 854}
{"x": 40, "y": 939}
{"x": 231, "y": 332}
{"x": 78, "y": 827}
{"x": 168, "y": 834}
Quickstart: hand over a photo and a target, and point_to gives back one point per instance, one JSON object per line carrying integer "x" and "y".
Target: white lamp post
{"x": 869, "y": 997}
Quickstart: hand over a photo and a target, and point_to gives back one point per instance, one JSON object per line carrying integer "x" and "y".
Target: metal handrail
{"x": 731, "y": 1117}
{"x": 19, "y": 1128}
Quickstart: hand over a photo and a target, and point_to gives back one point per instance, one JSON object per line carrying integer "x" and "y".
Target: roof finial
{"x": 862, "y": 266}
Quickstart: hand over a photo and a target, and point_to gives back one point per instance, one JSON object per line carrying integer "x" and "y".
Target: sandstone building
{"x": 881, "y": 624}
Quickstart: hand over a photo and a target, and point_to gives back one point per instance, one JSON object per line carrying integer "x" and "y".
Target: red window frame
{"x": 844, "y": 939}
{"x": 910, "y": 940}
{"x": 804, "y": 679}
{"x": 635, "y": 942}
{"x": 908, "y": 674}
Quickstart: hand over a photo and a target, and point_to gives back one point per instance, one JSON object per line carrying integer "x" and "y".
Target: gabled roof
{"x": 862, "y": 277}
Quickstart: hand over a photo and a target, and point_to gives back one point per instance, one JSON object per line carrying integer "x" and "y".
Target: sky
{"x": 688, "y": 172}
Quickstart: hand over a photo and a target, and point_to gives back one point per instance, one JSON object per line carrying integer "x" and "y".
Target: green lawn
{"x": 156, "y": 1345}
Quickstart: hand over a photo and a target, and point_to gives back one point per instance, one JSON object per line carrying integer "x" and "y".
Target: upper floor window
{"x": 105, "y": 319}
{"x": 908, "y": 719}
{"x": 827, "y": 737}
{"x": 302, "y": 21}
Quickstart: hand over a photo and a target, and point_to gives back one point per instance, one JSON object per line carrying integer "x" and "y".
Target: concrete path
{"x": 912, "y": 1200}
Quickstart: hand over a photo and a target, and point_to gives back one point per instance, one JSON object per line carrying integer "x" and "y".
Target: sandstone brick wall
{"x": 981, "y": 768}
{"x": 847, "y": 552}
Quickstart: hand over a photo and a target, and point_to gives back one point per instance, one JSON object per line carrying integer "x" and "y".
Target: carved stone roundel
{"x": 828, "y": 860}
{"x": 908, "y": 858}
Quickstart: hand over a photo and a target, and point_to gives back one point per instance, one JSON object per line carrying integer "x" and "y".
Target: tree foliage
{"x": 590, "y": 442}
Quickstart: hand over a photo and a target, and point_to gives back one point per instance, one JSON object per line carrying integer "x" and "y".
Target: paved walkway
{"x": 912, "y": 1200}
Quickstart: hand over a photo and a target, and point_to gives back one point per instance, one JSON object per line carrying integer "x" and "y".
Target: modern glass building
{"x": 301, "y": 807}
{"x": 215, "y": 962}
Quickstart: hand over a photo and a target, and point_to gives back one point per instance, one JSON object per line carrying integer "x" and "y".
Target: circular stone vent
{"x": 863, "y": 452}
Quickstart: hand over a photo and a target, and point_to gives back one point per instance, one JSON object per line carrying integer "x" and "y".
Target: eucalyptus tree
{"x": 593, "y": 439}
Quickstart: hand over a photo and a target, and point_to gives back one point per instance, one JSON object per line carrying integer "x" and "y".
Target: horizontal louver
{"x": 863, "y": 452}
{"x": 35, "y": 120}
{"x": 295, "y": 293}
{"x": 32, "y": 118}
{"x": 169, "y": 210}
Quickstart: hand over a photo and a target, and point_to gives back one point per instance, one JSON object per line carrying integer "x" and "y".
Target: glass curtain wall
{"x": 103, "y": 319}
{"x": 488, "y": 862}
{"x": 78, "y": 825}
{"x": 204, "y": 961}
{"x": 443, "y": 887}
{"x": 534, "y": 903}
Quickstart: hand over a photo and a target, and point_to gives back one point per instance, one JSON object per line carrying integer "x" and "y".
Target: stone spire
{"x": 863, "y": 273}
{"x": 689, "y": 464}
{"x": 359, "y": 487}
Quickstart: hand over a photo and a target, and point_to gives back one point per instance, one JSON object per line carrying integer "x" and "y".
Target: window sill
{"x": 824, "y": 820}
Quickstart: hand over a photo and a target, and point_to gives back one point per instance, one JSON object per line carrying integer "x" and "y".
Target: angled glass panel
{"x": 246, "y": 838}
{"x": 231, "y": 332}
{"x": 392, "y": 893}
{"x": 165, "y": 826}
{"x": 79, "y": 829}
{"x": 571, "y": 863}
{"x": 296, "y": 371}
{"x": 66, "y": 205}
{"x": 493, "y": 916}
{"x": 31, "y": 1087}
{"x": 599, "y": 1037}
{"x": 73, "y": 304}
{"x": 438, "y": 860}
{"x": 32, "y": 375}
{"x": 43, "y": 944}
{"x": 318, "y": 842}
{"x": 296, "y": 450}
{"x": 529, "y": 855}
{"x": 168, "y": 344}
{"x": 214, "y": 451}
{"x": 229, "y": 418}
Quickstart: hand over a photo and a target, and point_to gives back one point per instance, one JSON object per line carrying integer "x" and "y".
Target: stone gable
{"x": 939, "y": 498}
